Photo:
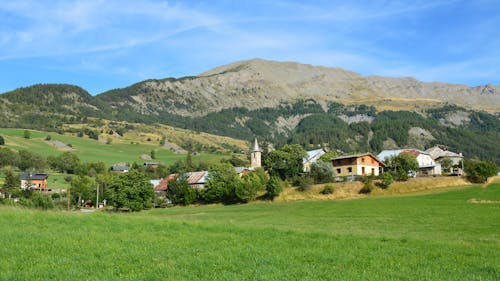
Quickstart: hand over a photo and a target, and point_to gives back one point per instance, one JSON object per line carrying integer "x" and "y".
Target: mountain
{"x": 260, "y": 83}
{"x": 282, "y": 102}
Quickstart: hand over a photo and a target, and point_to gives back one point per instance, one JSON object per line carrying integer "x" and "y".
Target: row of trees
{"x": 225, "y": 186}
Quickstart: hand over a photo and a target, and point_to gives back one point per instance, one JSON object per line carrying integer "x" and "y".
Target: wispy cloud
{"x": 95, "y": 41}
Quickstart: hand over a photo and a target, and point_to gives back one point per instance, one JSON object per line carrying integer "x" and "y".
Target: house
{"x": 426, "y": 165}
{"x": 312, "y": 156}
{"x": 152, "y": 165}
{"x": 357, "y": 165}
{"x": 121, "y": 168}
{"x": 197, "y": 179}
{"x": 241, "y": 171}
{"x": 440, "y": 153}
{"x": 34, "y": 181}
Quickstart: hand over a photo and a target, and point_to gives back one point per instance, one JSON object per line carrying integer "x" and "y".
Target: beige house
{"x": 357, "y": 165}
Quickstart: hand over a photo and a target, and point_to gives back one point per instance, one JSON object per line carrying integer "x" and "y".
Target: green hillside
{"x": 443, "y": 236}
{"x": 89, "y": 150}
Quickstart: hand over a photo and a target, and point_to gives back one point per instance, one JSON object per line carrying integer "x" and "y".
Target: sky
{"x": 101, "y": 45}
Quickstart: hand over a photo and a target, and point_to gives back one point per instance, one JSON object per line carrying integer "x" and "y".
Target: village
{"x": 436, "y": 161}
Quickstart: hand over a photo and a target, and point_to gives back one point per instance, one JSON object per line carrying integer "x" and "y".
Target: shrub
{"x": 26, "y": 134}
{"x": 2, "y": 141}
{"x": 385, "y": 180}
{"x": 305, "y": 183}
{"x": 327, "y": 189}
{"x": 273, "y": 187}
{"x": 48, "y": 137}
{"x": 180, "y": 193}
{"x": 367, "y": 185}
{"x": 322, "y": 172}
{"x": 479, "y": 171}
{"x": 42, "y": 201}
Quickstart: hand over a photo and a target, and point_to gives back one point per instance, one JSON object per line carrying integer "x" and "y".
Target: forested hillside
{"x": 282, "y": 103}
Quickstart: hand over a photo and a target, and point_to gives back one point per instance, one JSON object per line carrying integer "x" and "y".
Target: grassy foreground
{"x": 453, "y": 235}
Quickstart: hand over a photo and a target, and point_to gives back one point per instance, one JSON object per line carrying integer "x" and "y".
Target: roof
{"x": 358, "y": 156}
{"x": 311, "y": 154}
{"x": 388, "y": 153}
{"x": 33, "y": 176}
{"x": 163, "y": 185}
{"x": 197, "y": 177}
{"x": 240, "y": 170}
{"x": 255, "y": 146}
{"x": 437, "y": 152}
{"x": 120, "y": 168}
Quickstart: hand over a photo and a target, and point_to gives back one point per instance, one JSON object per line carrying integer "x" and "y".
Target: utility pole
{"x": 97, "y": 196}
{"x": 69, "y": 198}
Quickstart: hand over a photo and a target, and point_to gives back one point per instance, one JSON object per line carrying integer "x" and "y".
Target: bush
{"x": 305, "y": 183}
{"x": 180, "y": 193}
{"x": 322, "y": 172}
{"x": 2, "y": 141}
{"x": 385, "y": 180}
{"x": 327, "y": 189}
{"x": 367, "y": 185}
{"x": 273, "y": 187}
{"x": 479, "y": 171}
{"x": 42, "y": 201}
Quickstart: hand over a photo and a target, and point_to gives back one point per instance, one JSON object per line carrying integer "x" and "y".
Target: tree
{"x": 446, "y": 165}
{"x": 221, "y": 184}
{"x": 130, "y": 190}
{"x": 2, "y": 141}
{"x": 66, "y": 162}
{"x": 30, "y": 160}
{"x": 322, "y": 171}
{"x": 286, "y": 162}
{"x": 386, "y": 180}
{"x": 273, "y": 187}
{"x": 10, "y": 183}
{"x": 26, "y": 134}
{"x": 82, "y": 188}
{"x": 478, "y": 171}
{"x": 179, "y": 192}
{"x": 402, "y": 165}
{"x": 248, "y": 186}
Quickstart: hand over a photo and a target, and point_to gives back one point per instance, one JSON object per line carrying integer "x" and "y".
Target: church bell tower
{"x": 255, "y": 156}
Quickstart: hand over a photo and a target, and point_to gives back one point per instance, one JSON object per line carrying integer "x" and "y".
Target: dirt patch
{"x": 60, "y": 145}
{"x": 479, "y": 201}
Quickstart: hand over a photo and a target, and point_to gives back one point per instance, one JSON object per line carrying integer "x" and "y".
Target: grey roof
{"x": 33, "y": 176}
{"x": 256, "y": 147}
{"x": 313, "y": 153}
{"x": 120, "y": 168}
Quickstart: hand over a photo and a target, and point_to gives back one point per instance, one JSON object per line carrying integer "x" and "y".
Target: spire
{"x": 255, "y": 146}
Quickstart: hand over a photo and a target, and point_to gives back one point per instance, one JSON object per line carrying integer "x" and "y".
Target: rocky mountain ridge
{"x": 260, "y": 83}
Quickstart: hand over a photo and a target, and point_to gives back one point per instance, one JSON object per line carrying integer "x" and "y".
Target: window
{"x": 349, "y": 169}
{"x": 373, "y": 171}
{"x": 339, "y": 170}
{"x": 362, "y": 160}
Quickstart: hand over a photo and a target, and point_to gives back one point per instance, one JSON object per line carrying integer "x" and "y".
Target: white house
{"x": 440, "y": 153}
{"x": 426, "y": 165}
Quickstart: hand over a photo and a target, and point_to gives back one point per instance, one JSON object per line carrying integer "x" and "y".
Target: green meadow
{"x": 89, "y": 150}
{"x": 449, "y": 235}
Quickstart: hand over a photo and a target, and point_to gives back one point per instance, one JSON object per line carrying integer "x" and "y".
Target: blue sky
{"x": 101, "y": 45}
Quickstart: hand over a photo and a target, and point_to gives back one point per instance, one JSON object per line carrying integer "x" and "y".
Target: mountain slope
{"x": 259, "y": 83}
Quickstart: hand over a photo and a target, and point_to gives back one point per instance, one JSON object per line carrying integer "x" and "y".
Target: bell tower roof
{"x": 255, "y": 146}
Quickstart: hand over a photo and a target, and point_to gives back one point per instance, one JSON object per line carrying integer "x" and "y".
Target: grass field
{"x": 440, "y": 236}
{"x": 89, "y": 150}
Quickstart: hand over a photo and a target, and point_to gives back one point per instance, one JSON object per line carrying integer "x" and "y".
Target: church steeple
{"x": 255, "y": 156}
